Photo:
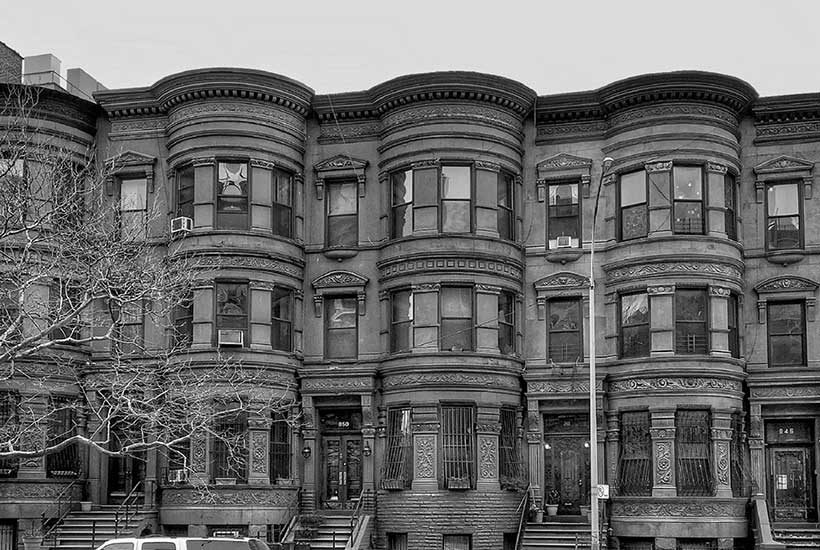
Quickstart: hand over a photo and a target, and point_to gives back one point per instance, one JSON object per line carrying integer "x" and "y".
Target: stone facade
{"x": 433, "y": 234}
{"x": 11, "y": 65}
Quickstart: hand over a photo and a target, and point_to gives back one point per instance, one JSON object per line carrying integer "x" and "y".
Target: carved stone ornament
{"x": 615, "y": 274}
{"x": 786, "y": 284}
{"x": 663, "y": 462}
{"x": 786, "y": 391}
{"x": 662, "y": 433}
{"x": 487, "y": 452}
{"x": 10, "y": 492}
{"x": 674, "y": 384}
{"x": 449, "y": 379}
{"x": 562, "y": 161}
{"x": 259, "y": 462}
{"x": 257, "y": 495}
{"x": 657, "y": 290}
{"x": 336, "y": 384}
{"x": 723, "y": 463}
{"x": 562, "y": 386}
{"x": 783, "y": 163}
{"x": 198, "y": 452}
{"x": 340, "y": 166}
{"x": 130, "y": 163}
{"x": 425, "y": 449}
{"x": 563, "y": 166}
{"x": 560, "y": 282}
{"x": 716, "y": 168}
{"x": 663, "y": 166}
{"x": 337, "y": 279}
{"x": 681, "y": 508}
{"x": 405, "y": 267}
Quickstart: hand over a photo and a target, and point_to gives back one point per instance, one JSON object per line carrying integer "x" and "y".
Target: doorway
{"x": 790, "y": 465}
{"x": 341, "y": 458}
{"x": 125, "y": 472}
{"x": 566, "y": 461}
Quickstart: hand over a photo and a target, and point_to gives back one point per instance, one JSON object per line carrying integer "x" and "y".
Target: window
{"x": 787, "y": 333}
{"x": 687, "y": 199}
{"x": 633, "y": 205}
{"x": 231, "y": 309}
{"x": 133, "y": 209}
{"x": 232, "y": 195}
{"x": 184, "y": 322}
{"x": 185, "y": 192}
{"x": 457, "y": 446}
{"x": 401, "y": 324}
{"x": 281, "y": 336}
{"x": 342, "y": 214}
{"x": 564, "y": 216}
{"x": 691, "y": 333}
{"x": 10, "y": 315}
{"x": 279, "y": 447}
{"x": 635, "y": 325}
{"x": 734, "y": 334}
{"x": 62, "y": 425}
{"x": 510, "y": 462}
{"x": 401, "y": 211}
{"x": 456, "y": 307}
{"x": 456, "y": 542}
{"x": 341, "y": 327}
{"x": 396, "y": 541}
{"x": 282, "y": 204}
{"x": 635, "y": 463}
{"x": 506, "y": 205}
{"x": 730, "y": 203}
{"x": 64, "y": 299}
{"x": 564, "y": 326}
{"x": 783, "y": 230}
{"x": 128, "y": 332}
{"x": 229, "y": 446}
{"x": 16, "y": 193}
{"x": 178, "y": 454}
{"x": 506, "y": 322}
{"x": 693, "y": 453}
{"x": 10, "y": 427}
{"x": 397, "y": 470}
{"x": 456, "y": 193}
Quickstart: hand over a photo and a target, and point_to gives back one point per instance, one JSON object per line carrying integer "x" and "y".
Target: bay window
{"x": 280, "y": 449}
{"x": 397, "y": 470}
{"x": 633, "y": 205}
{"x": 635, "y": 325}
{"x": 635, "y": 462}
{"x": 687, "y": 199}
{"x": 232, "y": 195}
{"x": 231, "y": 312}
{"x": 456, "y": 307}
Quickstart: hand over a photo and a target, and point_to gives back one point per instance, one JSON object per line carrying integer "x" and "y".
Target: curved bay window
{"x": 506, "y": 323}
{"x": 687, "y": 199}
{"x": 456, "y": 307}
{"x": 635, "y": 325}
{"x": 281, "y": 319}
{"x": 232, "y": 195}
{"x": 231, "y": 313}
{"x": 691, "y": 315}
{"x": 633, "y": 205}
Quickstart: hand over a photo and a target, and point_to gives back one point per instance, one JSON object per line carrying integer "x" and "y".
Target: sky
{"x": 349, "y": 45}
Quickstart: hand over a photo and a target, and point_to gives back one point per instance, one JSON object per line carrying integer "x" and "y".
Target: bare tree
{"x": 79, "y": 277}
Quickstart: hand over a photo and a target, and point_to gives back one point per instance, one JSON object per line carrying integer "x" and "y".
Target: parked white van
{"x": 183, "y": 543}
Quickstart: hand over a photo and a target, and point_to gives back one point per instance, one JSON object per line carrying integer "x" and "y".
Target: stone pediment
{"x": 337, "y": 279}
{"x": 340, "y": 162}
{"x": 784, "y": 163}
{"x": 564, "y": 161}
{"x": 128, "y": 159}
{"x": 786, "y": 284}
{"x": 561, "y": 281}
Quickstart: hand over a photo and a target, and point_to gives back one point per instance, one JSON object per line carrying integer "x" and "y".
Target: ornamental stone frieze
{"x": 723, "y": 463}
{"x": 654, "y": 268}
{"x": 449, "y": 112}
{"x": 389, "y": 270}
{"x": 487, "y": 457}
{"x": 12, "y": 490}
{"x": 208, "y": 260}
{"x": 142, "y": 128}
{"x": 449, "y": 379}
{"x": 663, "y": 462}
{"x": 684, "y": 508}
{"x": 347, "y": 132}
{"x": 337, "y": 384}
{"x": 674, "y": 384}
{"x": 425, "y": 456}
{"x": 258, "y": 495}
{"x": 780, "y": 392}
{"x": 680, "y": 111}
{"x": 236, "y": 109}
{"x": 561, "y": 386}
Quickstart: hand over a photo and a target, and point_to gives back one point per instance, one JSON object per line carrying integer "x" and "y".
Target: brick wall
{"x": 11, "y": 65}
{"x": 425, "y": 517}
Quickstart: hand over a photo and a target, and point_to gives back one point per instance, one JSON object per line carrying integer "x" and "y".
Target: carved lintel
{"x": 426, "y": 287}
{"x": 318, "y": 302}
{"x": 488, "y": 289}
{"x": 663, "y": 166}
{"x": 204, "y": 161}
{"x": 657, "y": 290}
{"x": 715, "y": 167}
{"x": 486, "y": 165}
{"x": 761, "y": 312}
{"x": 719, "y": 291}
{"x": 259, "y": 163}
{"x": 319, "y": 185}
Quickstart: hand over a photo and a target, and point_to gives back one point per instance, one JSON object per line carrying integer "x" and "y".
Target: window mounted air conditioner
{"x": 177, "y": 476}
{"x": 181, "y": 225}
{"x": 231, "y": 337}
{"x": 564, "y": 241}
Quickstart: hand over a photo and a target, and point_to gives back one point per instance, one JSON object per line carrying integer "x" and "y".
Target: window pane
{"x": 455, "y": 217}
{"x": 688, "y": 217}
{"x": 783, "y": 200}
{"x": 455, "y": 182}
{"x": 342, "y": 230}
{"x": 341, "y": 313}
{"x": 563, "y": 194}
{"x": 283, "y": 188}
{"x": 785, "y": 318}
{"x": 281, "y": 303}
{"x": 783, "y": 232}
{"x": 505, "y": 230}
{"x": 634, "y": 222}
{"x": 402, "y": 187}
{"x": 688, "y": 182}
{"x": 281, "y": 335}
{"x": 402, "y": 303}
{"x": 566, "y": 226}
{"x": 505, "y": 183}
{"x": 133, "y": 194}
{"x": 633, "y": 188}
{"x": 635, "y": 341}
{"x": 402, "y": 221}
{"x": 341, "y": 343}
{"x": 564, "y": 315}
{"x": 690, "y": 305}
{"x": 786, "y": 350}
{"x": 231, "y": 299}
{"x": 634, "y": 309}
{"x": 233, "y": 179}
{"x": 282, "y": 220}
{"x": 456, "y": 302}
{"x": 456, "y": 334}
{"x": 342, "y": 199}
{"x": 565, "y": 347}
{"x": 425, "y": 186}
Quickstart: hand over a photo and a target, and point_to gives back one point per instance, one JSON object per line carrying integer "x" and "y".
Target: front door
{"x": 566, "y": 462}
{"x": 125, "y": 472}
{"x": 790, "y": 483}
{"x": 342, "y": 459}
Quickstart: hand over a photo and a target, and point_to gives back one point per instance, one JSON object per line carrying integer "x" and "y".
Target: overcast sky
{"x": 347, "y": 45}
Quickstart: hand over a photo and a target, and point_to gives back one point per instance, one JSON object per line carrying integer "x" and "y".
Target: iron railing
{"x": 523, "y": 510}
{"x": 129, "y": 507}
{"x": 53, "y": 516}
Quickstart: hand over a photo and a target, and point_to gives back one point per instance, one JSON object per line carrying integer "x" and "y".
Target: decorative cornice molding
{"x": 336, "y": 279}
{"x": 663, "y": 384}
{"x": 684, "y": 508}
{"x": 652, "y": 268}
{"x": 434, "y": 263}
{"x": 337, "y": 384}
{"x": 561, "y": 386}
{"x": 563, "y": 161}
{"x": 340, "y": 163}
{"x": 797, "y": 390}
{"x": 560, "y": 282}
{"x": 446, "y": 380}
{"x": 783, "y": 163}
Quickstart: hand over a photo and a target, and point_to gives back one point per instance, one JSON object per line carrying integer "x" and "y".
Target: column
{"x": 535, "y": 449}
{"x": 487, "y": 318}
{"x": 660, "y": 215}
{"x": 488, "y": 428}
{"x": 368, "y": 442}
{"x": 613, "y": 446}
{"x": 719, "y": 321}
{"x": 756, "y": 449}
{"x": 309, "y": 464}
{"x": 662, "y": 316}
{"x": 663, "y": 452}
{"x": 200, "y": 459}
{"x": 204, "y": 193}
{"x": 260, "y": 314}
{"x": 259, "y": 448}
{"x": 425, "y": 316}
{"x": 261, "y": 194}
{"x": 425, "y": 447}
{"x": 721, "y": 465}
{"x": 716, "y": 195}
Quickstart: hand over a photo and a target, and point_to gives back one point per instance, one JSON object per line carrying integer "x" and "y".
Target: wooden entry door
{"x": 791, "y": 486}
{"x": 125, "y": 472}
{"x": 342, "y": 460}
{"x": 566, "y": 461}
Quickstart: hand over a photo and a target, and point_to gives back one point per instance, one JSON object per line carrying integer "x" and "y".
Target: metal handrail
{"x": 524, "y": 506}
{"x": 355, "y": 519}
{"x": 293, "y": 510}
{"x": 131, "y": 504}
{"x": 60, "y": 515}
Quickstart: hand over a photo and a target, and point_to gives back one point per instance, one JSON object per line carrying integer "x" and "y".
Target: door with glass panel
{"x": 566, "y": 462}
{"x": 342, "y": 461}
{"x": 790, "y": 483}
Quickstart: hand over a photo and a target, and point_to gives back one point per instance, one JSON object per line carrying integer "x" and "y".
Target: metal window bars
{"x": 457, "y": 449}
{"x": 693, "y": 448}
{"x": 635, "y": 461}
{"x": 398, "y": 461}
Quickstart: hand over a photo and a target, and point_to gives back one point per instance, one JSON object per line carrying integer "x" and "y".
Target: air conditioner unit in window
{"x": 231, "y": 337}
{"x": 181, "y": 225}
{"x": 564, "y": 241}
{"x": 177, "y": 476}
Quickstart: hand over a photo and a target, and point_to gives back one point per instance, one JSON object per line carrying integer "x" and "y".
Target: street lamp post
{"x": 593, "y": 418}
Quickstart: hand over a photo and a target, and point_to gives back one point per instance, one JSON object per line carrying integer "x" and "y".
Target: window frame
{"x": 803, "y": 334}
{"x": 328, "y": 299}
{"x": 331, "y": 185}
{"x": 67, "y": 426}
{"x": 280, "y": 449}
{"x": 576, "y": 301}
{"x": 733, "y": 314}
{"x": 218, "y": 213}
{"x": 186, "y": 207}
{"x": 798, "y": 184}
{"x": 508, "y": 327}
{"x": 441, "y": 317}
{"x": 509, "y": 182}
{"x": 137, "y": 345}
{"x": 121, "y": 180}
{"x": 247, "y": 314}
{"x": 278, "y": 207}
{"x": 442, "y": 200}
{"x": 237, "y": 419}
{"x": 395, "y": 325}
{"x": 183, "y": 316}
{"x": 702, "y": 201}
{"x": 278, "y": 322}
{"x": 468, "y": 443}
{"x": 640, "y": 451}
{"x": 705, "y": 446}
{"x": 730, "y": 213}
{"x": 397, "y": 466}
{"x": 706, "y": 320}
{"x": 579, "y": 224}
{"x": 621, "y": 325}
{"x": 621, "y": 208}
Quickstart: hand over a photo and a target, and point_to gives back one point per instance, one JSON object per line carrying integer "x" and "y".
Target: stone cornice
{"x": 787, "y": 108}
{"x": 51, "y": 105}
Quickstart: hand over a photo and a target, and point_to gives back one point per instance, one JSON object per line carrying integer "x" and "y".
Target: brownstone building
{"x": 410, "y": 264}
